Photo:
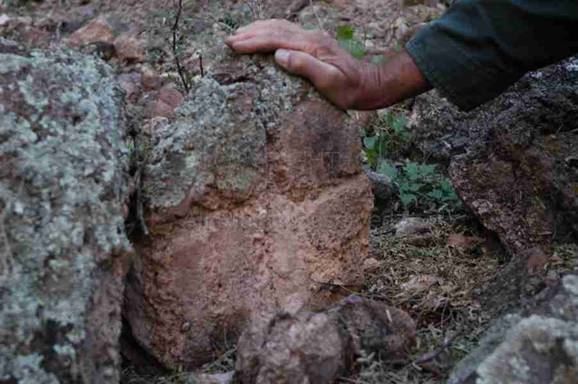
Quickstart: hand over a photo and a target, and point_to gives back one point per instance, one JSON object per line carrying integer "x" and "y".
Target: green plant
{"x": 421, "y": 186}
{"x": 348, "y": 41}
{"x": 390, "y": 140}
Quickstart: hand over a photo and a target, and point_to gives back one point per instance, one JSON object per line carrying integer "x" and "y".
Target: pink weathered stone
{"x": 151, "y": 80}
{"x": 256, "y": 204}
{"x": 129, "y": 49}
{"x": 166, "y": 100}
{"x": 97, "y": 30}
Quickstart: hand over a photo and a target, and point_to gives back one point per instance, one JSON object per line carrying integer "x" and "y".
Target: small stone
{"x": 129, "y": 49}
{"x": 381, "y": 184}
{"x": 131, "y": 84}
{"x": 186, "y": 327}
{"x": 288, "y": 349}
{"x": 98, "y": 30}
{"x": 212, "y": 378}
{"x": 4, "y": 19}
{"x": 371, "y": 265}
{"x": 151, "y": 80}
{"x": 167, "y": 100}
{"x": 411, "y": 226}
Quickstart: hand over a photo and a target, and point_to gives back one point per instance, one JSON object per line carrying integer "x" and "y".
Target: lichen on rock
{"x": 62, "y": 188}
{"x": 255, "y": 200}
{"x": 539, "y": 345}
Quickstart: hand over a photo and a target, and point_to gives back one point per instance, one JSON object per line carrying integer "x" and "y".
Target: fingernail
{"x": 282, "y": 56}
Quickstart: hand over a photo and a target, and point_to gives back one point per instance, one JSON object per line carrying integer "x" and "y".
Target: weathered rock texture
{"x": 320, "y": 347}
{"x": 520, "y": 173}
{"x": 62, "y": 188}
{"x": 538, "y": 348}
{"x": 256, "y": 203}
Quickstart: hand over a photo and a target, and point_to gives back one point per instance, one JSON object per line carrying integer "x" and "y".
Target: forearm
{"x": 389, "y": 83}
{"x": 480, "y": 47}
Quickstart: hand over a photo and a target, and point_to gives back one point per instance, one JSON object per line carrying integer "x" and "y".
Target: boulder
{"x": 64, "y": 159}
{"x": 516, "y": 167}
{"x": 255, "y": 202}
{"x": 536, "y": 347}
{"x": 321, "y": 347}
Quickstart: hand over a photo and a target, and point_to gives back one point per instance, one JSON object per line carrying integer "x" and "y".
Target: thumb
{"x": 306, "y": 65}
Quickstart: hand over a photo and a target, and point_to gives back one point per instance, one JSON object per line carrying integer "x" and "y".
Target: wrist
{"x": 383, "y": 85}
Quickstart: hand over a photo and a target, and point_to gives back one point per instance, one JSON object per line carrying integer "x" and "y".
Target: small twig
{"x": 256, "y": 9}
{"x": 201, "y": 65}
{"x": 319, "y": 22}
{"x": 429, "y": 356}
{"x": 57, "y": 34}
{"x": 140, "y": 203}
{"x": 296, "y": 7}
{"x": 175, "y": 53}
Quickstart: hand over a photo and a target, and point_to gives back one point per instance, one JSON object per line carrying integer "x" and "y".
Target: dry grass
{"x": 433, "y": 276}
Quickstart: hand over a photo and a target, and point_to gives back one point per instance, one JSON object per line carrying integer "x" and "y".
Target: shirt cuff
{"x": 445, "y": 63}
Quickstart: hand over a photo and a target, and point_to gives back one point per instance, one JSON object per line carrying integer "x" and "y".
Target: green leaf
{"x": 388, "y": 170}
{"x": 436, "y": 194}
{"x": 369, "y": 142}
{"x": 345, "y": 37}
{"x": 399, "y": 123}
{"x": 427, "y": 170}
{"x": 345, "y": 32}
{"x": 412, "y": 171}
{"x": 409, "y": 187}
{"x": 407, "y": 198}
{"x": 354, "y": 47}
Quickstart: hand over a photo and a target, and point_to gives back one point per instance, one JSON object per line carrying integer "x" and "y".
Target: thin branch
{"x": 319, "y": 21}
{"x": 256, "y": 9}
{"x": 180, "y": 70}
{"x": 429, "y": 356}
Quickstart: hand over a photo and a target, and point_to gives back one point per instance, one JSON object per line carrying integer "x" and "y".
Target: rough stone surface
{"x": 309, "y": 347}
{"x": 539, "y": 347}
{"x": 113, "y": 36}
{"x": 62, "y": 188}
{"x": 518, "y": 173}
{"x": 381, "y": 185}
{"x": 256, "y": 202}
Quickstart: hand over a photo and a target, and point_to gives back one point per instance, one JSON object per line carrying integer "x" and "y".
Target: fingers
{"x": 266, "y": 36}
{"x": 258, "y": 43}
{"x": 321, "y": 74}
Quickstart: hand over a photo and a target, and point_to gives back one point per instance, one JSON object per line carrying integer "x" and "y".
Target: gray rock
{"x": 381, "y": 184}
{"x": 410, "y": 226}
{"x": 62, "y": 188}
{"x": 516, "y": 171}
{"x": 538, "y": 348}
{"x": 319, "y": 347}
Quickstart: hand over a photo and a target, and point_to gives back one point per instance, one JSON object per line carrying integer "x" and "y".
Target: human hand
{"x": 311, "y": 54}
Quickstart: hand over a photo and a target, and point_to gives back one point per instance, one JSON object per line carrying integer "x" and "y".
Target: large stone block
{"x": 513, "y": 160}
{"x": 537, "y": 346}
{"x": 63, "y": 170}
{"x": 256, "y": 203}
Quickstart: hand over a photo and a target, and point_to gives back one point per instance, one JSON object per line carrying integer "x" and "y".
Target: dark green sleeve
{"x": 480, "y": 47}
